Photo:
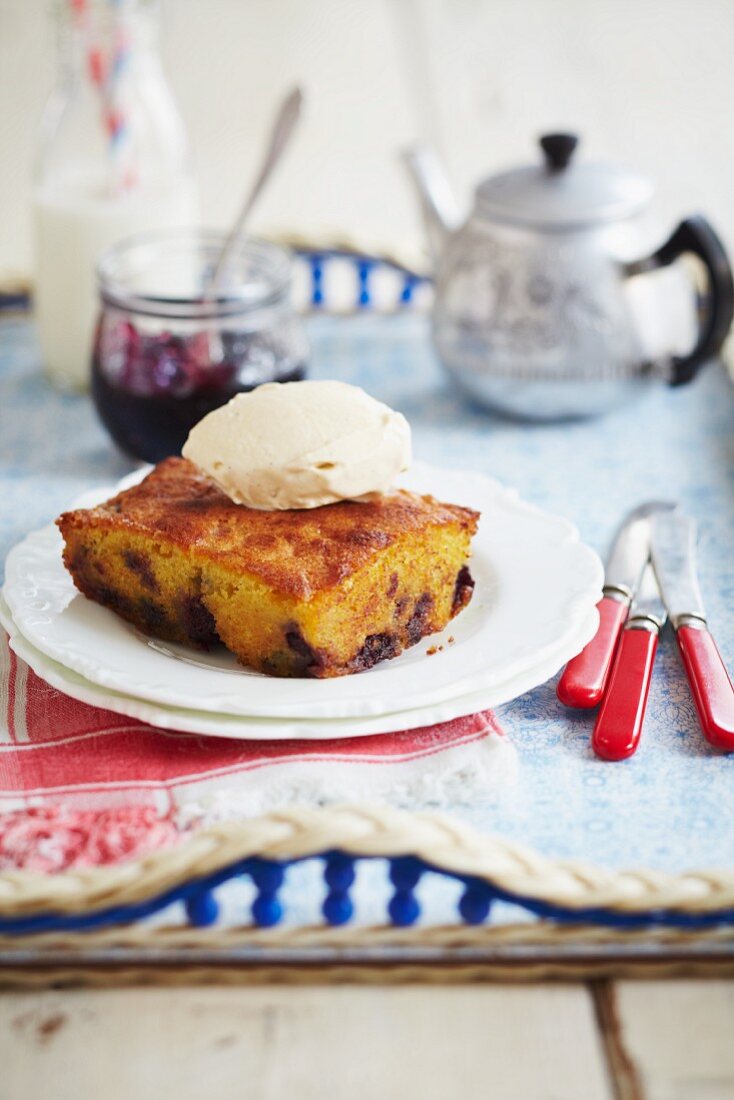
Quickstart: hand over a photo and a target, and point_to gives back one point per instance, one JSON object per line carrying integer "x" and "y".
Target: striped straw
{"x": 106, "y": 68}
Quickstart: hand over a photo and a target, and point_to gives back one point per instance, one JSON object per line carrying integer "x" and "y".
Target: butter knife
{"x": 584, "y": 679}
{"x": 621, "y": 716}
{"x": 673, "y": 548}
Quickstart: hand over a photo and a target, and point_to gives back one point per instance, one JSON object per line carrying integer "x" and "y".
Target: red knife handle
{"x": 585, "y": 676}
{"x": 619, "y": 722}
{"x": 711, "y": 687}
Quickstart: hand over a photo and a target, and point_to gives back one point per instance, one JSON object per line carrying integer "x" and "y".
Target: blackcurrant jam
{"x": 163, "y": 357}
{"x": 152, "y": 403}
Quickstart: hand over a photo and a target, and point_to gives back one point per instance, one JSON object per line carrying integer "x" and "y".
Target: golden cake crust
{"x": 316, "y": 593}
{"x": 296, "y": 553}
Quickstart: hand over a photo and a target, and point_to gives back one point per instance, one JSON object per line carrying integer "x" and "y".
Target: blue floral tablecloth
{"x": 672, "y": 805}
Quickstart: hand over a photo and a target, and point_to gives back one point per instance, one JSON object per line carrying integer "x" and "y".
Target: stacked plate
{"x": 534, "y": 607}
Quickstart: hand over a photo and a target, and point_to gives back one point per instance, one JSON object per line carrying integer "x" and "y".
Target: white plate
{"x": 269, "y": 729}
{"x": 536, "y": 585}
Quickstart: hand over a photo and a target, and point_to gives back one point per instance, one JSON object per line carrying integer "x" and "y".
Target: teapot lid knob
{"x": 558, "y": 150}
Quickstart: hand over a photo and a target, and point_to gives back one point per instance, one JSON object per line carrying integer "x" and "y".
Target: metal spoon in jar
{"x": 283, "y": 127}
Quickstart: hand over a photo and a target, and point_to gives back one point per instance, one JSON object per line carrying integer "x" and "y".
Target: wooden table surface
{"x": 626, "y": 1040}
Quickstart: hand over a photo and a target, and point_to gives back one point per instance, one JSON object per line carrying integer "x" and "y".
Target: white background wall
{"x": 649, "y": 82}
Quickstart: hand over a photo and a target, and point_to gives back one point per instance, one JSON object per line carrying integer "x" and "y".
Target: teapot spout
{"x": 438, "y": 205}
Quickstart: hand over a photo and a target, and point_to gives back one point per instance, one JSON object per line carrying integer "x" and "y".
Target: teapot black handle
{"x": 696, "y": 236}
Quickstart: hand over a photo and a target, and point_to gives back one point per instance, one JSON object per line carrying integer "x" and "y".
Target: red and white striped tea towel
{"x": 80, "y": 785}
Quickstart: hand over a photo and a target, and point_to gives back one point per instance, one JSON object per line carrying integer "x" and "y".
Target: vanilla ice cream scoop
{"x": 301, "y": 445}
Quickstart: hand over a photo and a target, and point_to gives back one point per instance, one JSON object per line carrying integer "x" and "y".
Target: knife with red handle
{"x": 673, "y": 547}
{"x": 585, "y": 677}
{"x": 619, "y": 722}
{"x": 710, "y": 684}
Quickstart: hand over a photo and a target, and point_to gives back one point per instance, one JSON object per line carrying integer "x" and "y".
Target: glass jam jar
{"x": 166, "y": 353}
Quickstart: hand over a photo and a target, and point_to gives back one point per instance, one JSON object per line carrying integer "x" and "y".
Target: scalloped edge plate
{"x": 269, "y": 729}
{"x": 536, "y": 587}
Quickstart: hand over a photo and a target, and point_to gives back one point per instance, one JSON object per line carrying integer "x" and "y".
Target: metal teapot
{"x": 534, "y": 311}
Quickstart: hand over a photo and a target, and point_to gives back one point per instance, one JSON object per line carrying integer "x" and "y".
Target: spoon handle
{"x": 285, "y": 122}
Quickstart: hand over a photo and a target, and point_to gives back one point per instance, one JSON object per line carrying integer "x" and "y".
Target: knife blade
{"x": 585, "y": 677}
{"x": 673, "y": 541}
{"x": 618, "y": 725}
{"x": 673, "y": 547}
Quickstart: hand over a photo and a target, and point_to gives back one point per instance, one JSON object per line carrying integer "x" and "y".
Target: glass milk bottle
{"x": 113, "y": 160}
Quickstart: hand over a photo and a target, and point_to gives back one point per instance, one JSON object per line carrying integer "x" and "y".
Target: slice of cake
{"x": 317, "y": 592}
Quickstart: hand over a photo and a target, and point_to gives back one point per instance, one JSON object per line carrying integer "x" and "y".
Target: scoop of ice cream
{"x": 301, "y": 445}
